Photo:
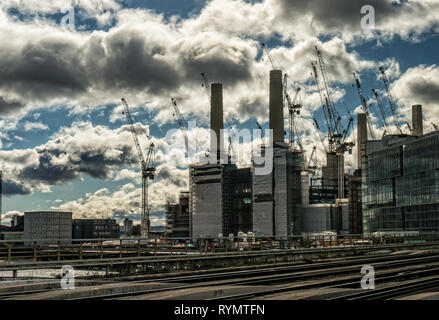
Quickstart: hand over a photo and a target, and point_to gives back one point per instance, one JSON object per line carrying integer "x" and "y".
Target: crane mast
{"x": 293, "y": 110}
{"x": 319, "y": 131}
{"x": 147, "y": 168}
{"x": 392, "y": 104}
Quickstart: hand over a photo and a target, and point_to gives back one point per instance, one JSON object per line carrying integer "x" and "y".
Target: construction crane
{"x": 382, "y": 111}
{"x": 319, "y": 131}
{"x": 148, "y": 169}
{"x": 392, "y": 104}
{"x": 180, "y": 120}
{"x": 337, "y": 134}
{"x": 364, "y": 105}
{"x": 293, "y": 110}
{"x": 267, "y": 51}
{"x": 206, "y": 85}
{"x": 312, "y": 164}
{"x": 262, "y": 135}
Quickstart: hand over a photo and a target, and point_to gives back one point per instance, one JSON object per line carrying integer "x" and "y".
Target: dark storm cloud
{"x": 94, "y": 151}
{"x": 428, "y": 91}
{"x": 125, "y": 60}
{"x": 13, "y": 188}
{"x": 60, "y": 66}
{"x": 338, "y": 14}
{"x": 8, "y": 107}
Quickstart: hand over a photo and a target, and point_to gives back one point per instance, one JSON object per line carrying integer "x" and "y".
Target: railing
{"x": 81, "y": 249}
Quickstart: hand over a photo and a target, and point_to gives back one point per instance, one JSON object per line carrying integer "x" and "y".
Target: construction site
{"x": 393, "y": 191}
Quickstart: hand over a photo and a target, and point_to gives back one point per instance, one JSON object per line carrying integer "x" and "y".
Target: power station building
{"x": 400, "y": 182}
{"x": 220, "y": 193}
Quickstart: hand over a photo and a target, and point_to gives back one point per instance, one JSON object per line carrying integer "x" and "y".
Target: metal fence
{"x": 79, "y": 249}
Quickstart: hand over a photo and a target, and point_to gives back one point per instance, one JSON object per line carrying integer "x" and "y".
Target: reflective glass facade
{"x": 400, "y": 184}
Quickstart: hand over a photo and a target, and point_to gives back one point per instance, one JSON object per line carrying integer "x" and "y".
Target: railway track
{"x": 278, "y": 275}
{"x": 333, "y": 274}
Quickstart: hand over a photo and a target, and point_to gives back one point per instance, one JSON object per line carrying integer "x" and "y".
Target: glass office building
{"x": 400, "y": 184}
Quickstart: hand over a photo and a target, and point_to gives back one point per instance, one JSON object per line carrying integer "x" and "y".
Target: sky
{"x": 65, "y": 143}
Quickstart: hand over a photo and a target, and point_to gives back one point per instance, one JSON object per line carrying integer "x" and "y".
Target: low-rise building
{"x": 47, "y": 227}
{"x": 95, "y": 229}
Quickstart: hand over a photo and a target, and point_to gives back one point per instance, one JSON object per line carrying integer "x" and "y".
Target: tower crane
{"x": 293, "y": 110}
{"x": 380, "y": 106}
{"x": 148, "y": 169}
{"x": 267, "y": 51}
{"x": 262, "y": 135}
{"x": 312, "y": 166}
{"x": 364, "y": 105}
{"x": 180, "y": 121}
{"x": 337, "y": 134}
{"x": 392, "y": 104}
{"x": 319, "y": 131}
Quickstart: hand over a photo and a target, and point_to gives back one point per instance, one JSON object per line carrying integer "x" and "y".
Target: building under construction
{"x": 177, "y": 217}
{"x": 277, "y": 194}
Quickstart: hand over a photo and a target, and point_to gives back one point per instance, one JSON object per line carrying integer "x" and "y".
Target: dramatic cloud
{"x": 419, "y": 85}
{"x": 81, "y": 149}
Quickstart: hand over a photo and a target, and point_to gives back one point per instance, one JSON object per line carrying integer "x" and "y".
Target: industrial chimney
{"x": 216, "y": 117}
{"x": 276, "y": 106}
{"x": 418, "y": 129}
{"x": 361, "y": 135}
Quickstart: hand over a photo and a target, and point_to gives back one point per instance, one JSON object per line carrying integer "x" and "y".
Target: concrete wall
{"x": 207, "y": 208}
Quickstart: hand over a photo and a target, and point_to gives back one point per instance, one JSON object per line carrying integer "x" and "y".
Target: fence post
{"x": 35, "y": 251}
{"x": 138, "y": 248}
{"x": 185, "y": 246}
{"x": 102, "y": 249}
{"x": 199, "y": 246}
{"x": 59, "y": 250}
{"x": 80, "y": 250}
{"x": 227, "y": 245}
{"x": 120, "y": 249}
{"x": 155, "y": 246}
{"x": 9, "y": 252}
{"x": 171, "y": 242}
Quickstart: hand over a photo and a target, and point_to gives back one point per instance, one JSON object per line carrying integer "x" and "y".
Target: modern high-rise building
{"x": 128, "y": 226}
{"x": 400, "y": 183}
